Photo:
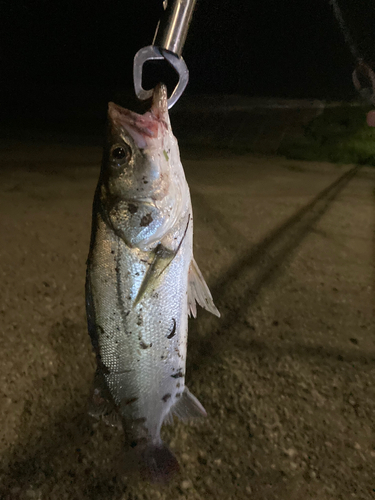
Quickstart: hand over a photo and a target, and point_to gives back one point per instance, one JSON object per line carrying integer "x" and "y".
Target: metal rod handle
{"x": 173, "y": 26}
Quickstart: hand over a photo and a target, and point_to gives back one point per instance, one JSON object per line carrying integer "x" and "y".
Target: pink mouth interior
{"x": 140, "y": 127}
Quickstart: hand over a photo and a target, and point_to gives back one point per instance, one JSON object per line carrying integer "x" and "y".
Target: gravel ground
{"x": 287, "y": 375}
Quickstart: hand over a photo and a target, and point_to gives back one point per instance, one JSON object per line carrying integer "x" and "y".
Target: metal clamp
{"x": 364, "y": 71}
{"x": 168, "y": 43}
{"x": 152, "y": 53}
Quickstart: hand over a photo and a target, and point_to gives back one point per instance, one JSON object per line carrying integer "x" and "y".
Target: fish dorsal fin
{"x": 198, "y": 292}
{"x": 185, "y": 408}
{"x": 101, "y": 404}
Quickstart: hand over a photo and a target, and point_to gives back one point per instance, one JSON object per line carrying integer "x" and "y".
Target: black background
{"x": 56, "y": 54}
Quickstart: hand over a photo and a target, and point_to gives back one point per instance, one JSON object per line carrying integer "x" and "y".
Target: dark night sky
{"x": 53, "y": 50}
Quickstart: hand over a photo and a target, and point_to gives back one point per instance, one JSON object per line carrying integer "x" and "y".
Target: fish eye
{"x": 121, "y": 152}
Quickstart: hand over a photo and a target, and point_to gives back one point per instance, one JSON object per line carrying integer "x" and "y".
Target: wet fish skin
{"x": 139, "y": 288}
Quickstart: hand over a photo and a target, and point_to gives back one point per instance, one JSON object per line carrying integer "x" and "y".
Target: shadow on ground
{"x": 266, "y": 258}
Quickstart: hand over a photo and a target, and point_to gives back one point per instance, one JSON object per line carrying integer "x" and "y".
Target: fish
{"x": 142, "y": 283}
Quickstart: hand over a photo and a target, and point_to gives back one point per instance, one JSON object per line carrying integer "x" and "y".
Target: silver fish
{"x": 142, "y": 282}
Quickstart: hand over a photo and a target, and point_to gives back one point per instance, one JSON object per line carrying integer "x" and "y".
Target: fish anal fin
{"x": 198, "y": 292}
{"x": 168, "y": 419}
{"x": 186, "y": 407}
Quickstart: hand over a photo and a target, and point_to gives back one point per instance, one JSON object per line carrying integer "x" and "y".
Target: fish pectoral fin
{"x": 101, "y": 405}
{"x": 198, "y": 292}
{"x": 162, "y": 258}
{"x": 186, "y": 407}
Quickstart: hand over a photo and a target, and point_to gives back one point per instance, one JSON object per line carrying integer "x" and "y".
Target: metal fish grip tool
{"x": 168, "y": 43}
{"x": 363, "y": 76}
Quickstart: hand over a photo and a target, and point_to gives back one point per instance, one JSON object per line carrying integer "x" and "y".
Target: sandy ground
{"x": 287, "y": 375}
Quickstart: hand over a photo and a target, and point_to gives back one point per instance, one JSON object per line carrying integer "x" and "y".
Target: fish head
{"x": 143, "y": 186}
{"x": 134, "y": 157}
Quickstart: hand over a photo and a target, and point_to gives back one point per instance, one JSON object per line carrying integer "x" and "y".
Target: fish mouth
{"x": 144, "y": 201}
{"x": 142, "y": 128}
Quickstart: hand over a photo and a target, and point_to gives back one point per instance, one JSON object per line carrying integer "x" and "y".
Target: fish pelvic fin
{"x": 198, "y": 292}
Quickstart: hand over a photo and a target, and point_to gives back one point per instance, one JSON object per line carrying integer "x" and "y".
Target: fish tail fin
{"x": 157, "y": 463}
